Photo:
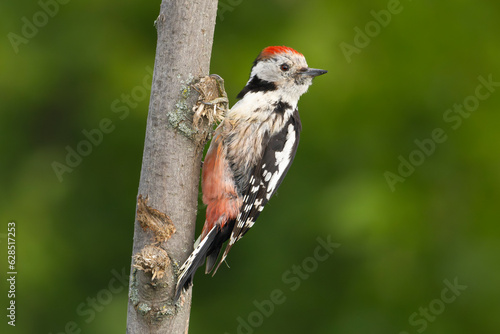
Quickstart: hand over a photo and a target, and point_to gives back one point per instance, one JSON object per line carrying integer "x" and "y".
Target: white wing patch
{"x": 282, "y": 161}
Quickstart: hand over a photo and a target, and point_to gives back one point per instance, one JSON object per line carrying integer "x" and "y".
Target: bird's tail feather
{"x": 214, "y": 253}
{"x": 212, "y": 258}
{"x": 195, "y": 260}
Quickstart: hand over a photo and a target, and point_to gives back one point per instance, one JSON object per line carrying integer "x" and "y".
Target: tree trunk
{"x": 168, "y": 188}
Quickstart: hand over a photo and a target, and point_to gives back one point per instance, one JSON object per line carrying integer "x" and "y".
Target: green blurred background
{"x": 398, "y": 245}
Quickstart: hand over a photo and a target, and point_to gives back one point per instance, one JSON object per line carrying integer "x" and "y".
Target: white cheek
{"x": 266, "y": 71}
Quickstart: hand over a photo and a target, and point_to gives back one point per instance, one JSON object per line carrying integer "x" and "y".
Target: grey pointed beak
{"x": 313, "y": 72}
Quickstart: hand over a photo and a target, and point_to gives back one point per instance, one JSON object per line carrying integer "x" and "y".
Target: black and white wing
{"x": 267, "y": 176}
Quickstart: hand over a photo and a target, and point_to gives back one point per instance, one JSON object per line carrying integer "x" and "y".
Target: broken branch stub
{"x": 159, "y": 223}
{"x": 152, "y": 259}
{"x": 211, "y": 106}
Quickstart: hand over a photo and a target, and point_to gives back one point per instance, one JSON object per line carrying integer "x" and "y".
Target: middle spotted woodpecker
{"x": 250, "y": 154}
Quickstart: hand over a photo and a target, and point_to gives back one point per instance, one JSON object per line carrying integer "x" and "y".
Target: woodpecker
{"x": 250, "y": 154}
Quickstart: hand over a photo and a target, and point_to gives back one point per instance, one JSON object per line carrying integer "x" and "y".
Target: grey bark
{"x": 171, "y": 166}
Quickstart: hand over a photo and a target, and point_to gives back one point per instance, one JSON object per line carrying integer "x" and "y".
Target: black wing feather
{"x": 266, "y": 177}
{"x": 266, "y": 166}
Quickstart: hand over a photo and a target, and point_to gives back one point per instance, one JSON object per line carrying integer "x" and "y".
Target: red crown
{"x": 272, "y": 50}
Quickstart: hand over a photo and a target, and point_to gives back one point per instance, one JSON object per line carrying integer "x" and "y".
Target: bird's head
{"x": 281, "y": 69}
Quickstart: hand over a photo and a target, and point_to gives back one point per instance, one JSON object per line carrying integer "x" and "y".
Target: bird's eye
{"x": 284, "y": 67}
